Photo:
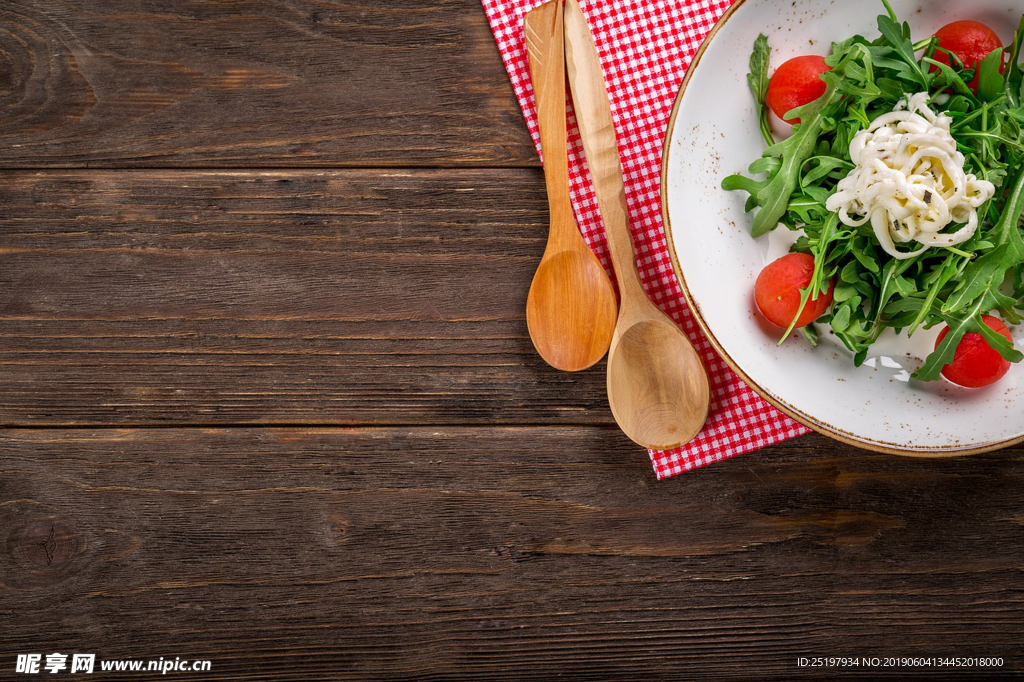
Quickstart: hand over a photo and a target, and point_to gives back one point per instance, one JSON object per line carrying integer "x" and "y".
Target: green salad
{"x": 905, "y": 182}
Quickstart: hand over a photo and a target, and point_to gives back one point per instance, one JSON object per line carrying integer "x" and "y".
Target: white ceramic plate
{"x": 712, "y": 133}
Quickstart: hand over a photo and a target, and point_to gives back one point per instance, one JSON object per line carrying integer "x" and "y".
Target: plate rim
{"x": 807, "y": 420}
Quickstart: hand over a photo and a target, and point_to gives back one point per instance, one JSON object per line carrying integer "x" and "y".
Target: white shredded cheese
{"x": 909, "y": 181}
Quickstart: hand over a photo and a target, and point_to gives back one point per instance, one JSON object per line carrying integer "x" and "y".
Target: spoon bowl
{"x": 571, "y": 309}
{"x": 657, "y": 387}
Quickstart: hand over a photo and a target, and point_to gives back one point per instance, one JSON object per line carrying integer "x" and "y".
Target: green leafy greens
{"x": 793, "y": 179}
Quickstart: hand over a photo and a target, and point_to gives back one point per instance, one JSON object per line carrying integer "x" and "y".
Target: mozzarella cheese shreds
{"x": 909, "y": 181}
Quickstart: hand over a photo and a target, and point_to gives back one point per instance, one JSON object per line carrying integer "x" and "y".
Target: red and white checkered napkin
{"x": 645, "y": 48}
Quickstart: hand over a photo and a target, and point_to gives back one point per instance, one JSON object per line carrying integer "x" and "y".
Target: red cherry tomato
{"x": 970, "y": 41}
{"x": 796, "y": 83}
{"x": 975, "y": 363}
{"x": 777, "y": 291}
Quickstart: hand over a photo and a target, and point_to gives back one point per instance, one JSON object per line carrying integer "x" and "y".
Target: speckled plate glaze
{"x": 713, "y": 132}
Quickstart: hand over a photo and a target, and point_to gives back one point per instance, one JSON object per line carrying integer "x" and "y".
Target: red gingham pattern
{"x": 644, "y": 49}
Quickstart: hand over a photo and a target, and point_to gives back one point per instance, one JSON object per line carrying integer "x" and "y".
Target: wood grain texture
{"x": 319, "y": 297}
{"x": 506, "y": 553}
{"x": 254, "y": 83}
{"x": 476, "y": 515}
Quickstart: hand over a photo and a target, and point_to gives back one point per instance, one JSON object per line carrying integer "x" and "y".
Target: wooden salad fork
{"x": 571, "y": 308}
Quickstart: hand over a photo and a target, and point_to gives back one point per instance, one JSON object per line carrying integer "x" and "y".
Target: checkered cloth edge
{"x": 644, "y": 49}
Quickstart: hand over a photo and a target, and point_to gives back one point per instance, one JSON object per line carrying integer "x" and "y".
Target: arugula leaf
{"x": 822, "y": 167}
{"x": 1000, "y": 343}
{"x": 898, "y": 36}
{"x": 867, "y": 259}
{"x": 840, "y": 320}
{"x": 894, "y": 283}
{"x": 951, "y": 78}
{"x": 735, "y": 182}
{"x": 990, "y": 81}
{"x": 766, "y": 164}
{"x": 811, "y": 334}
{"x": 1014, "y": 77}
{"x": 969, "y": 321}
{"x": 758, "y": 81}
{"x": 794, "y": 151}
{"x": 985, "y": 273}
{"x": 942, "y": 275}
{"x": 1007, "y": 229}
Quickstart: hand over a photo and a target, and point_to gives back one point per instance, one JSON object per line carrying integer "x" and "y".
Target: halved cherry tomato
{"x": 796, "y": 83}
{"x": 777, "y": 291}
{"x": 970, "y": 41}
{"x": 975, "y": 363}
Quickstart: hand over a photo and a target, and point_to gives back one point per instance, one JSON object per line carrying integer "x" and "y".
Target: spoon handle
{"x": 545, "y": 45}
{"x": 594, "y": 117}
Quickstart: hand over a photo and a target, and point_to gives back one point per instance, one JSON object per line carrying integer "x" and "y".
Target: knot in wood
{"x": 43, "y": 544}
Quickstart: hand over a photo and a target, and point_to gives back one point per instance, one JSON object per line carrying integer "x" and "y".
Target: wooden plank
{"x": 505, "y": 553}
{"x": 249, "y": 83}
{"x": 299, "y": 297}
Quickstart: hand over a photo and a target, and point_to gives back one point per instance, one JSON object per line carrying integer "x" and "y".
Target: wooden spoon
{"x": 571, "y": 307}
{"x": 657, "y": 385}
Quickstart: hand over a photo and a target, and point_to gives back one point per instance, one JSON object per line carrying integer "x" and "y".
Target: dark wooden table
{"x": 269, "y": 400}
